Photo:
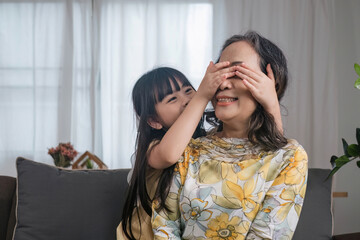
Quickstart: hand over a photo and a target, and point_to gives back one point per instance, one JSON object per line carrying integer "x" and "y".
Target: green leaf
{"x": 354, "y": 150}
{"x": 341, "y": 161}
{"x": 358, "y": 135}
{"x": 358, "y": 163}
{"x": 345, "y": 146}
{"x": 357, "y": 68}
{"x": 332, "y": 160}
{"x": 335, "y": 169}
{"x": 357, "y": 84}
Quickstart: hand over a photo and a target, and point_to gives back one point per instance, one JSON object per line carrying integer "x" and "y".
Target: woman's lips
{"x": 225, "y": 100}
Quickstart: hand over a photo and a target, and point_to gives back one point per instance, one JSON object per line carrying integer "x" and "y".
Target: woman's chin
{"x": 222, "y": 116}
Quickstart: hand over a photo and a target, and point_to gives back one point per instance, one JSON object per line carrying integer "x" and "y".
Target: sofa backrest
{"x": 315, "y": 220}
{"x": 316, "y": 216}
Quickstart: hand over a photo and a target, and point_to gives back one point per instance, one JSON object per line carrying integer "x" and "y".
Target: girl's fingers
{"x": 221, "y": 65}
{"x": 223, "y": 77}
{"x": 228, "y": 75}
{"x": 227, "y": 70}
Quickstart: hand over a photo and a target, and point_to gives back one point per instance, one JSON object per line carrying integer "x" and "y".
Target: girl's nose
{"x": 226, "y": 84}
{"x": 185, "y": 100}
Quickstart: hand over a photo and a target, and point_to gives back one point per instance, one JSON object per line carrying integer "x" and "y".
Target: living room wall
{"x": 346, "y": 210}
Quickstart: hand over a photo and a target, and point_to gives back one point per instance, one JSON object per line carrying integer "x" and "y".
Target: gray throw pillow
{"x": 59, "y": 204}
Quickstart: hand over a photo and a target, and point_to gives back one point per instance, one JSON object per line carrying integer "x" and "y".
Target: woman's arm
{"x": 172, "y": 145}
{"x": 283, "y": 202}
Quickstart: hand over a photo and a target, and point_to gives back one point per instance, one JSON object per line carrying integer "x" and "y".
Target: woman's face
{"x": 233, "y": 103}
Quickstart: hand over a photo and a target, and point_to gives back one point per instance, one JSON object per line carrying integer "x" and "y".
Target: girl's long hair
{"x": 150, "y": 89}
{"x": 262, "y": 128}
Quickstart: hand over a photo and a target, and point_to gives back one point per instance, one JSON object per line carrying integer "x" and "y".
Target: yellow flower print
{"x": 236, "y": 197}
{"x": 210, "y": 172}
{"x": 182, "y": 167}
{"x": 246, "y": 195}
{"x": 250, "y": 167}
{"x": 221, "y": 228}
{"x": 294, "y": 197}
{"x": 194, "y": 211}
{"x": 228, "y": 171}
{"x": 295, "y": 172}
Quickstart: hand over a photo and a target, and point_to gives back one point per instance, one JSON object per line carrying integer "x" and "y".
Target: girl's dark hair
{"x": 150, "y": 89}
{"x": 262, "y": 128}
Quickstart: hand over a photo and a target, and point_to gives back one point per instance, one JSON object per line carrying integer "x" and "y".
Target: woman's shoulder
{"x": 292, "y": 144}
{"x": 293, "y": 150}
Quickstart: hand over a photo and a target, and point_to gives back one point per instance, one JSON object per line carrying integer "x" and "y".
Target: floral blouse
{"x": 228, "y": 188}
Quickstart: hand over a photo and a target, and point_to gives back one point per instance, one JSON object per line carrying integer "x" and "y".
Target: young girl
{"x": 245, "y": 181}
{"x": 165, "y": 127}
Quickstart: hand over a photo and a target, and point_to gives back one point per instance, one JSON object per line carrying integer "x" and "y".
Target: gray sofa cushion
{"x": 316, "y": 218}
{"x": 58, "y": 204}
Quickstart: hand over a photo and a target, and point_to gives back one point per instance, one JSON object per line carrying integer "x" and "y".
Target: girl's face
{"x": 170, "y": 108}
{"x": 233, "y": 103}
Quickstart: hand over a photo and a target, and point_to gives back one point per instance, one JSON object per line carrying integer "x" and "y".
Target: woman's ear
{"x": 154, "y": 123}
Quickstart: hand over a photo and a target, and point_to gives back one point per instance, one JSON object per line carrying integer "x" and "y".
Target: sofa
{"x": 46, "y": 202}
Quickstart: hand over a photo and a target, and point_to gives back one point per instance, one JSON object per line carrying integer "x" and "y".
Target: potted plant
{"x": 63, "y": 154}
{"x": 352, "y": 151}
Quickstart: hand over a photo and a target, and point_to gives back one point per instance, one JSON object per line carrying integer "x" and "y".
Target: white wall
{"x": 347, "y": 50}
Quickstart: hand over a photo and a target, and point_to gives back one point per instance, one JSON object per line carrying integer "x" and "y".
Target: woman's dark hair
{"x": 150, "y": 89}
{"x": 262, "y": 128}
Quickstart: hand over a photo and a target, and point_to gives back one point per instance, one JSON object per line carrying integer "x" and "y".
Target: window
{"x": 67, "y": 69}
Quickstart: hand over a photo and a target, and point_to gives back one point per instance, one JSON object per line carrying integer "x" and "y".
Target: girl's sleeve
{"x": 166, "y": 224}
{"x": 280, "y": 211}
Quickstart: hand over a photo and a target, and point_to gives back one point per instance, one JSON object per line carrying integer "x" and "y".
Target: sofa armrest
{"x": 7, "y": 206}
{"x": 349, "y": 236}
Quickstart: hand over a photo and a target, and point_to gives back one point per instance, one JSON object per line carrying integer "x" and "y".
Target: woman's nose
{"x": 226, "y": 84}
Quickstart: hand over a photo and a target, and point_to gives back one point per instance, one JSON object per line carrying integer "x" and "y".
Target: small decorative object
{"x": 352, "y": 151}
{"x": 63, "y": 154}
{"x": 88, "y": 161}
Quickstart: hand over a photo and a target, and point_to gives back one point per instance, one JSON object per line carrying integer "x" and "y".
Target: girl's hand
{"x": 214, "y": 76}
{"x": 261, "y": 86}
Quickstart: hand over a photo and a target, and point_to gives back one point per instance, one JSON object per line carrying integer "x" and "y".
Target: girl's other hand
{"x": 261, "y": 86}
{"x": 215, "y": 74}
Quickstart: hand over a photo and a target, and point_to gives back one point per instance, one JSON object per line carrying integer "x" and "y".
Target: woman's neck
{"x": 231, "y": 131}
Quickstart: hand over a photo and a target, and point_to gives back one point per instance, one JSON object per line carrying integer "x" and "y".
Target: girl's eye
{"x": 172, "y": 99}
{"x": 189, "y": 90}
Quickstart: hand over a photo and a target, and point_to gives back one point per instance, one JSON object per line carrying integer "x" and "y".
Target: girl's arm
{"x": 172, "y": 145}
{"x": 262, "y": 87}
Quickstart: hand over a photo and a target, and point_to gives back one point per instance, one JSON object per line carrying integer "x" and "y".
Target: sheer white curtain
{"x": 136, "y": 36}
{"x": 45, "y": 78}
{"x": 67, "y": 68}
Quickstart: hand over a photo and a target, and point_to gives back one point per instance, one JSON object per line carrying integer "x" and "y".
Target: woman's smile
{"x": 222, "y": 100}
